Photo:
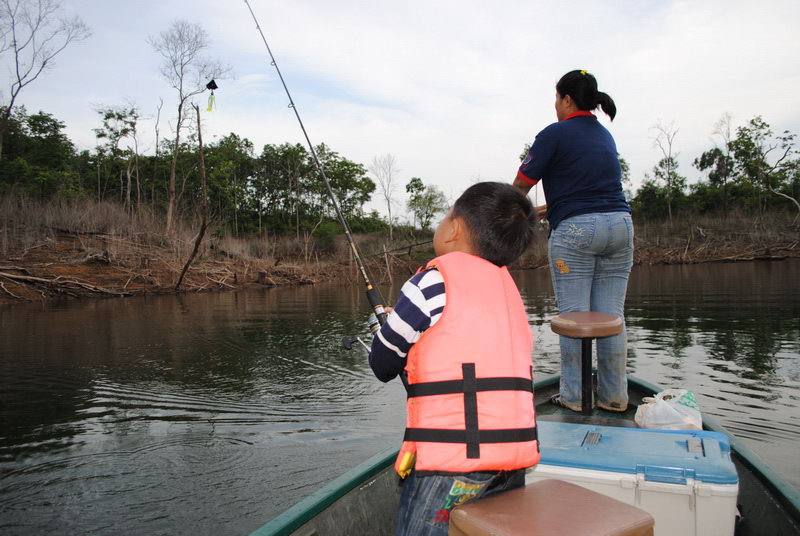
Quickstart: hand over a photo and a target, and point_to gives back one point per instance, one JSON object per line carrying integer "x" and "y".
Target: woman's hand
{"x": 541, "y": 211}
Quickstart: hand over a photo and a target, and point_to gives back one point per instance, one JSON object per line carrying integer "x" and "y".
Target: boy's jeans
{"x": 426, "y": 501}
{"x": 590, "y": 260}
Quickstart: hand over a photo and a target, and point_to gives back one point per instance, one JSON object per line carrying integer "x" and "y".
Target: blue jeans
{"x": 590, "y": 260}
{"x": 426, "y": 501}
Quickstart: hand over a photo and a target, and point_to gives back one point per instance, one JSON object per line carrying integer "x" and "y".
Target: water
{"x": 211, "y": 413}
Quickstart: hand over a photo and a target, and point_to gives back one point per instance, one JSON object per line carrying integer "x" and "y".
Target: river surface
{"x": 211, "y": 413}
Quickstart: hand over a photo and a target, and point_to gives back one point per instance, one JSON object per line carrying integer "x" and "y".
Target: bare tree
{"x": 724, "y": 129}
{"x": 724, "y": 169}
{"x": 135, "y": 150}
{"x": 204, "y": 207}
{"x": 188, "y": 71}
{"x": 156, "y": 159}
{"x": 667, "y": 168}
{"x": 385, "y": 170}
{"x": 32, "y": 35}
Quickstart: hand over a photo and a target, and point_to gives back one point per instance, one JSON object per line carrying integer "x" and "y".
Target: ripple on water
{"x": 212, "y": 413}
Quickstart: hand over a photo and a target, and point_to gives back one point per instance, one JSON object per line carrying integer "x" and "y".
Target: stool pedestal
{"x": 586, "y": 325}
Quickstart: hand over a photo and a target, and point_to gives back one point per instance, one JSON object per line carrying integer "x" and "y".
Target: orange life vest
{"x": 470, "y": 385}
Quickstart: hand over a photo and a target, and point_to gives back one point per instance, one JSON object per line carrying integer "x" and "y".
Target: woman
{"x": 591, "y": 233}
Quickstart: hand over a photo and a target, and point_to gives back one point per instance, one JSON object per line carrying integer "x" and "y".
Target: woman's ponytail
{"x": 607, "y": 104}
{"x": 581, "y": 85}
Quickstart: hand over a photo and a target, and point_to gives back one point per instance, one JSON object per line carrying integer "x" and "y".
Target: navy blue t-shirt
{"x": 577, "y": 161}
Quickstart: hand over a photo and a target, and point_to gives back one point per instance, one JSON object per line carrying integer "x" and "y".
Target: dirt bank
{"x": 71, "y": 265}
{"x": 81, "y": 265}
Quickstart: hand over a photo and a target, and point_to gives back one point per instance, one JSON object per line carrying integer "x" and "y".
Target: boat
{"x": 364, "y": 499}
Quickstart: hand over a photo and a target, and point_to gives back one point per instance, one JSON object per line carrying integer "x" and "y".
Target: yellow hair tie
{"x": 584, "y": 71}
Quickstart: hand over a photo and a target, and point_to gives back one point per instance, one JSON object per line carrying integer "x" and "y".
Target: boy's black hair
{"x": 500, "y": 219}
{"x": 581, "y": 85}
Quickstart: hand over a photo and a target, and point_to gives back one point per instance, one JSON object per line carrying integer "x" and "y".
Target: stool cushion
{"x": 586, "y": 325}
{"x": 550, "y": 508}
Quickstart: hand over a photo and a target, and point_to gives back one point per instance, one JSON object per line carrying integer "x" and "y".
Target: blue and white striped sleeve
{"x": 419, "y": 306}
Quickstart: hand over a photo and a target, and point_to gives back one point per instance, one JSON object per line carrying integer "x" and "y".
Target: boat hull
{"x": 364, "y": 500}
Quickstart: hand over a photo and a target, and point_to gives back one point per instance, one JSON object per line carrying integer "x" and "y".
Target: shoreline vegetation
{"x": 128, "y": 217}
{"x": 85, "y": 249}
{"x": 117, "y": 221}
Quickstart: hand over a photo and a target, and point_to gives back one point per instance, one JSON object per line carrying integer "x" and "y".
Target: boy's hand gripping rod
{"x": 373, "y": 294}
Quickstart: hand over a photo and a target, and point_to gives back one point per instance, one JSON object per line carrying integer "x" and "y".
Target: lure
{"x": 212, "y": 102}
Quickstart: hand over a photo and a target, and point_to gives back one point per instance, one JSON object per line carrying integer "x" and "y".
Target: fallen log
{"x": 60, "y": 284}
{"x": 11, "y": 293}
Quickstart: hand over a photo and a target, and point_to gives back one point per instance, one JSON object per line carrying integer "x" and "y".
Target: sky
{"x": 452, "y": 90}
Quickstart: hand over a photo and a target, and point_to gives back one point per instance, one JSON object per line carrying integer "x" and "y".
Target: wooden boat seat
{"x": 586, "y": 325}
{"x": 550, "y": 508}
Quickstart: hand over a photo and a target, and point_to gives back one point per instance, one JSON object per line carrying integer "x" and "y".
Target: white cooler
{"x": 685, "y": 479}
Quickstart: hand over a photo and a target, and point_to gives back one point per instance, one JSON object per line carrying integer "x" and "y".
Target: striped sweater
{"x": 419, "y": 306}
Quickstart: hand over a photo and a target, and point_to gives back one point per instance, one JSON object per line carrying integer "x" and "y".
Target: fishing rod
{"x": 373, "y": 294}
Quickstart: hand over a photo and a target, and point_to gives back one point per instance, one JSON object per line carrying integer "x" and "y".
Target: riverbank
{"x": 64, "y": 265}
{"x": 80, "y": 265}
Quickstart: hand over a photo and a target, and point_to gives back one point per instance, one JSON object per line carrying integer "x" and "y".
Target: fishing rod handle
{"x": 376, "y": 302}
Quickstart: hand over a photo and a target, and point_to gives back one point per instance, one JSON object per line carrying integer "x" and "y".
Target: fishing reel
{"x": 348, "y": 341}
{"x": 373, "y": 325}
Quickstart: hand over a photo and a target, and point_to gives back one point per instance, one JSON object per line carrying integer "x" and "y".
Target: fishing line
{"x": 373, "y": 294}
{"x": 401, "y": 248}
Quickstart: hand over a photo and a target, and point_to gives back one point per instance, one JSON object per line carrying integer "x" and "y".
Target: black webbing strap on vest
{"x": 472, "y": 435}
{"x": 471, "y": 410}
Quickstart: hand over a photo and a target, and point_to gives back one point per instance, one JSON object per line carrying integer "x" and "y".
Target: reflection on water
{"x": 201, "y": 414}
{"x": 212, "y": 413}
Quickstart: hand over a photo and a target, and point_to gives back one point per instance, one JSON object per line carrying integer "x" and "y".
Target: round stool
{"x": 586, "y": 326}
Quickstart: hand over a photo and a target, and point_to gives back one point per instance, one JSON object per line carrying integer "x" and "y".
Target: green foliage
{"x": 38, "y": 156}
{"x": 415, "y": 186}
{"x": 368, "y": 223}
{"x": 425, "y": 202}
{"x": 765, "y": 161}
{"x": 326, "y": 232}
{"x": 625, "y": 170}
{"x": 524, "y": 152}
{"x": 285, "y": 191}
{"x": 229, "y": 168}
{"x": 706, "y": 198}
{"x": 118, "y": 122}
{"x": 666, "y": 172}
{"x": 650, "y": 201}
{"x": 349, "y": 181}
{"x": 719, "y": 164}
{"x": 755, "y": 171}
{"x": 279, "y": 191}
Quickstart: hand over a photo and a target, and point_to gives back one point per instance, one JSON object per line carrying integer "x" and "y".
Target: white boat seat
{"x": 550, "y": 508}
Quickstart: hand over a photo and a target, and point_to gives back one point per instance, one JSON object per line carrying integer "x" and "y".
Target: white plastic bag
{"x": 671, "y": 409}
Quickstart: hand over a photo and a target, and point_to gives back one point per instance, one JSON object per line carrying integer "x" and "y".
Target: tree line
{"x": 749, "y": 169}
{"x": 277, "y": 190}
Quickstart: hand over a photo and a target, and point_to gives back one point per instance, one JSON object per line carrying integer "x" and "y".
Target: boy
{"x": 460, "y": 333}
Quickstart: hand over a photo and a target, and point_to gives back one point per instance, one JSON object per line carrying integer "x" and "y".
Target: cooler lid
{"x": 670, "y": 456}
